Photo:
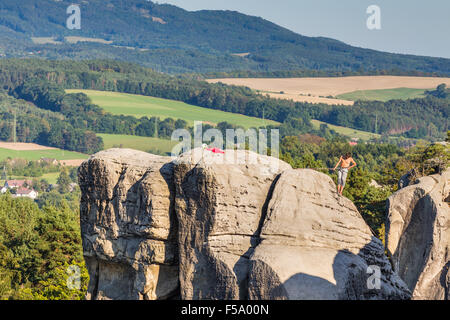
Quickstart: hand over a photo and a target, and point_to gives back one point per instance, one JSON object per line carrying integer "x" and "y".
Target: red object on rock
{"x": 215, "y": 150}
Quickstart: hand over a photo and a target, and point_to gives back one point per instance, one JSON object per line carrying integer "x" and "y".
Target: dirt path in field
{"x": 310, "y": 99}
{"x": 19, "y": 146}
{"x": 299, "y": 88}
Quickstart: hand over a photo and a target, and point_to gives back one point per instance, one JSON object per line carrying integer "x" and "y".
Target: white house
{"x": 25, "y": 192}
{"x": 21, "y": 188}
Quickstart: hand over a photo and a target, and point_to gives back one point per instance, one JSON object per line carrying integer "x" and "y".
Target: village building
{"x": 22, "y": 188}
{"x": 25, "y": 192}
{"x": 49, "y": 161}
{"x": 15, "y": 184}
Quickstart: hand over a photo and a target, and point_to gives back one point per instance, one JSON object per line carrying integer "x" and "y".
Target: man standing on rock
{"x": 347, "y": 163}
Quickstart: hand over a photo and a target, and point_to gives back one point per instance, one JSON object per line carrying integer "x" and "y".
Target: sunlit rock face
{"x": 128, "y": 225}
{"x": 315, "y": 245}
{"x": 418, "y": 236}
{"x": 236, "y": 225}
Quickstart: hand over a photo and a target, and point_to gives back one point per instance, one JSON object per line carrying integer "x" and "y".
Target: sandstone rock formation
{"x": 418, "y": 236}
{"x": 315, "y": 245}
{"x": 220, "y": 201}
{"x": 128, "y": 225}
{"x": 223, "y": 226}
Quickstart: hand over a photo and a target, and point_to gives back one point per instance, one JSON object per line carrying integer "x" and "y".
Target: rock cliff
{"x": 220, "y": 203}
{"x": 418, "y": 236}
{"x": 224, "y": 226}
{"x": 128, "y": 225}
{"x": 316, "y": 245}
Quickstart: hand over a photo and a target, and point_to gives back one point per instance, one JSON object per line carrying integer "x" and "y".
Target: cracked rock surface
{"x": 128, "y": 225}
{"x": 315, "y": 245}
{"x": 219, "y": 205}
{"x": 223, "y": 226}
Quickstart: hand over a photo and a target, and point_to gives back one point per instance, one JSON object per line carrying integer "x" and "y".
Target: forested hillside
{"x": 43, "y": 84}
{"x": 171, "y": 39}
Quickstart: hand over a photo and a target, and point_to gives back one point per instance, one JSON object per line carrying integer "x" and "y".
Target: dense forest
{"x": 305, "y": 73}
{"x": 170, "y": 39}
{"x": 40, "y": 242}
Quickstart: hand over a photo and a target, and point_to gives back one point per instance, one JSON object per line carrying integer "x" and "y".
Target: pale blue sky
{"x": 407, "y": 26}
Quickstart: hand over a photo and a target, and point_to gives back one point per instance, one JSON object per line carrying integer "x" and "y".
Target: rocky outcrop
{"x": 315, "y": 245}
{"x": 128, "y": 225}
{"x": 418, "y": 236}
{"x": 224, "y": 226}
{"x": 220, "y": 201}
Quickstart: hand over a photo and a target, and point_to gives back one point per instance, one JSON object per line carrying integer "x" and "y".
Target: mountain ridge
{"x": 171, "y": 39}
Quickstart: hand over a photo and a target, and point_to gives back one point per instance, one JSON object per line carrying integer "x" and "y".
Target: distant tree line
{"x": 305, "y": 73}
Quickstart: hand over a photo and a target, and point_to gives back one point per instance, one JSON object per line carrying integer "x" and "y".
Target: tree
{"x": 357, "y": 184}
{"x": 63, "y": 181}
{"x": 74, "y": 174}
{"x": 36, "y": 248}
{"x": 60, "y": 287}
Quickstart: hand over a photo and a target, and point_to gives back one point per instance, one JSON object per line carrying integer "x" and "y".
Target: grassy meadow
{"x": 384, "y": 94}
{"x": 140, "y": 106}
{"x": 57, "y": 154}
{"x": 51, "y": 177}
{"x": 147, "y": 144}
{"x": 352, "y": 133}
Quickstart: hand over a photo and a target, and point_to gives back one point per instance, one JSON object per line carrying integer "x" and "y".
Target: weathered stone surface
{"x": 128, "y": 225}
{"x": 220, "y": 200}
{"x": 315, "y": 245}
{"x": 223, "y": 226}
{"x": 418, "y": 236}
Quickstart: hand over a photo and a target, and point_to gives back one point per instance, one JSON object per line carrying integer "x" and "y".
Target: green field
{"x": 52, "y": 178}
{"x": 38, "y": 154}
{"x": 147, "y": 144}
{"x": 383, "y": 95}
{"x": 140, "y": 106}
{"x": 352, "y": 133}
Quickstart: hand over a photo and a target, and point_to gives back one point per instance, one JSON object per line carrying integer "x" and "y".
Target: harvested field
{"x": 45, "y": 40}
{"x": 72, "y": 163}
{"x": 85, "y": 39}
{"x": 310, "y": 99}
{"x": 33, "y": 151}
{"x": 300, "y": 88}
{"x": 20, "y": 146}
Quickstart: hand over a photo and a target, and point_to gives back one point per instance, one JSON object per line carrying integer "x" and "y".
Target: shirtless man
{"x": 347, "y": 163}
